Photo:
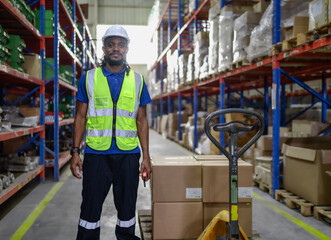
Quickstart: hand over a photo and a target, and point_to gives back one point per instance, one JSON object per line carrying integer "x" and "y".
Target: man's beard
{"x": 114, "y": 62}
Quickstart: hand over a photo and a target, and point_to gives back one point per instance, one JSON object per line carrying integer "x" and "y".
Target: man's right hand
{"x": 76, "y": 162}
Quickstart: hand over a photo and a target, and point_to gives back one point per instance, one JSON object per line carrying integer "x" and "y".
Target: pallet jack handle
{"x": 233, "y": 128}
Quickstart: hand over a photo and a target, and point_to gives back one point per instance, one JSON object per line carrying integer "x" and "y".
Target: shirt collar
{"x": 108, "y": 73}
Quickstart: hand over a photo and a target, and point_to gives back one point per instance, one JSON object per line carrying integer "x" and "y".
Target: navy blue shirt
{"x": 115, "y": 83}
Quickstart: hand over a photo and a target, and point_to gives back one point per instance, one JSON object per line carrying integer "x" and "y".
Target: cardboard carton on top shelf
{"x": 301, "y": 25}
{"x": 32, "y": 65}
{"x": 318, "y": 13}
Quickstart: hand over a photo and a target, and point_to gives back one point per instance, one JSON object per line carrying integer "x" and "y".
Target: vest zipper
{"x": 114, "y": 119}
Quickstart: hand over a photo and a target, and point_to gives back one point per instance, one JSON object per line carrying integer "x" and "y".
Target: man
{"x": 111, "y": 107}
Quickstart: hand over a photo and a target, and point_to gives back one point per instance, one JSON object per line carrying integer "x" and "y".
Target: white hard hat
{"x": 115, "y": 31}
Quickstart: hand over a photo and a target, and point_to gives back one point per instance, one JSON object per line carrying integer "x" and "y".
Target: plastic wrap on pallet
{"x": 243, "y": 27}
{"x": 225, "y": 41}
{"x": 204, "y": 70}
{"x": 204, "y": 146}
{"x": 182, "y": 67}
{"x": 213, "y": 18}
{"x": 190, "y": 68}
{"x": 261, "y": 36}
{"x": 172, "y": 71}
{"x": 318, "y": 13}
{"x": 201, "y": 45}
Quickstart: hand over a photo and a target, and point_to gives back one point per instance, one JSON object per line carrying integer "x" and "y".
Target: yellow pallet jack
{"x": 224, "y": 225}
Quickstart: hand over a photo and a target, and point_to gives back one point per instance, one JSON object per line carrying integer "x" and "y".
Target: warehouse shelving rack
{"x": 62, "y": 54}
{"x": 271, "y": 74}
{"x": 12, "y": 80}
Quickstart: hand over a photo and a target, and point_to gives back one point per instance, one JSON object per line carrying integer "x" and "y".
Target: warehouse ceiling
{"x": 124, "y": 12}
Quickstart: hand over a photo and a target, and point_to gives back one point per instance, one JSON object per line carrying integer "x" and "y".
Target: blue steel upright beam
{"x": 196, "y": 4}
{"x": 195, "y": 112}
{"x": 180, "y": 25}
{"x": 42, "y": 89}
{"x": 325, "y": 96}
{"x": 283, "y": 105}
{"x": 266, "y": 106}
{"x": 169, "y": 104}
{"x": 275, "y": 99}
{"x": 222, "y": 106}
{"x": 56, "y": 90}
{"x": 169, "y": 23}
{"x": 179, "y": 116}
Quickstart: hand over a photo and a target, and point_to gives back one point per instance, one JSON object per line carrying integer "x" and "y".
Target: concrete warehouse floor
{"x": 57, "y": 214}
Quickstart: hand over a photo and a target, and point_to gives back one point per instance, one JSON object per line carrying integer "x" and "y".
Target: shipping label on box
{"x": 245, "y": 192}
{"x": 193, "y": 193}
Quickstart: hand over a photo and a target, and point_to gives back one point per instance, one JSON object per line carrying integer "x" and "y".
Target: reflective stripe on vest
{"x": 100, "y": 113}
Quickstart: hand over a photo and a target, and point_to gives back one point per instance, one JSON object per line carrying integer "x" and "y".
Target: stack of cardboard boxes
{"x": 187, "y": 192}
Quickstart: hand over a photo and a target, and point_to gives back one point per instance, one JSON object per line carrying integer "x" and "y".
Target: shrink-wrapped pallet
{"x": 201, "y": 44}
{"x": 226, "y": 21}
{"x": 182, "y": 67}
{"x": 190, "y": 68}
{"x": 213, "y": 38}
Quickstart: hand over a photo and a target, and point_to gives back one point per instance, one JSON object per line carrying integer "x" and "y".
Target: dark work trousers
{"x": 99, "y": 172}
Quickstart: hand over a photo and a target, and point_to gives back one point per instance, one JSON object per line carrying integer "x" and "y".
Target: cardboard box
{"x": 27, "y": 111}
{"x": 177, "y": 220}
{"x": 12, "y": 145}
{"x": 306, "y": 162}
{"x": 32, "y": 65}
{"x": 305, "y": 128}
{"x": 164, "y": 125}
{"x": 210, "y": 210}
{"x": 265, "y": 142}
{"x": 158, "y": 123}
{"x": 283, "y": 131}
{"x": 260, "y": 7}
{"x": 249, "y": 154}
{"x": 318, "y": 13}
{"x": 210, "y": 158}
{"x": 176, "y": 181}
{"x": 172, "y": 159}
{"x": 215, "y": 181}
{"x": 264, "y": 161}
{"x": 259, "y": 153}
{"x": 262, "y": 175}
{"x": 301, "y": 25}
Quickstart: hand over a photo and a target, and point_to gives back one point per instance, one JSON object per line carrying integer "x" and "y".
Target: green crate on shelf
{"x": 16, "y": 43}
{"x": 49, "y": 71}
{"x": 17, "y": 66}
{"x": 49, "y": 31}
{"x": 80, "y": 27}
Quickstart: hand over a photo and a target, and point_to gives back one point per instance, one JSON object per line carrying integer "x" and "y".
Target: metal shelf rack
{"x": 12, "y": 80}
{"x": 62, "y": 54}
{"x": 298, "y": 65}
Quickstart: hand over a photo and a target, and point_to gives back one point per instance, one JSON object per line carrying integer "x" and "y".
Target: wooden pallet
{"x": 263, "y": 187}
{"x": 240, "y": 63}
{"x": 292, "y": 201}
{"x": 321, "y": 213}
{"x": 302, "y": 39}
{"x": 145, "y": 224}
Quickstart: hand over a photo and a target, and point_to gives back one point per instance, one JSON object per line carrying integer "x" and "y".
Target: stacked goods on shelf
{"x": 10, "y": 117}
{"x": 49, "y": 22}
{"x": 190, "y": 68}
{"x": 65, "y": 108}
{"x": 243, "y": 27}
{"x": 49, "y": 71}
{"x": 4, "y": 52}
{"x": 16, "y": 46}
{"x": 305, "y": 128}
{"x": 307, "y": 164}
{"x": 182, "y": 68}
{"x": 261, "y": 36}
{"x": 65, "y": 72}
{"x": 319, "y": 13}
{"x": 24, "y": 9}
{"x": 226, "y": 20}
{"x": 201, "y": 43}
{"x": 213, "y": 19}
{"x": 6, "y": 178}
{"x": 172, "y": 71}
{"x": 31, "y": 65}
{"x": 22, "y": 163}
{"x": 176, "y": 198}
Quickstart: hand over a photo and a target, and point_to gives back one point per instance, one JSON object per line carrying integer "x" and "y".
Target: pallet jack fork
{"x": 225, "y": 224}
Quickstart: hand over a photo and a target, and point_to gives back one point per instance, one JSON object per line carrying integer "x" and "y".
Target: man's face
{"x": 115, "y": 50}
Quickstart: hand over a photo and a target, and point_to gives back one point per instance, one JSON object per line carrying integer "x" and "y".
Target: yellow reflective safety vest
{"x": 107, "y": 119}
